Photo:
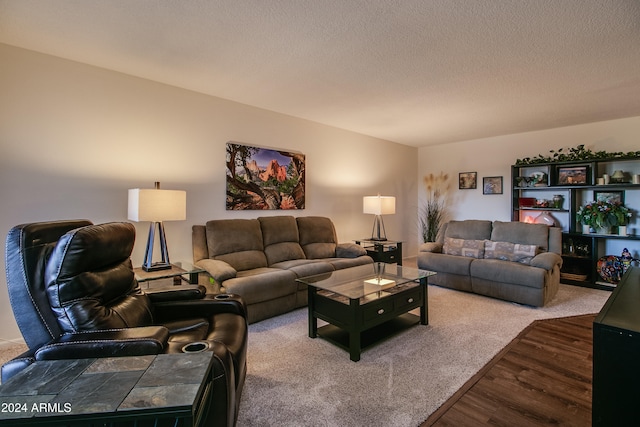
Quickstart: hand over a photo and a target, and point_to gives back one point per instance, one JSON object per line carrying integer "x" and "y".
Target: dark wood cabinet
{"x": 616, "y": 356}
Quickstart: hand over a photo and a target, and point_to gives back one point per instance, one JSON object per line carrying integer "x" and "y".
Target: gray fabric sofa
{"x": 260, "y": 259}
{"x": 512, "y": 261}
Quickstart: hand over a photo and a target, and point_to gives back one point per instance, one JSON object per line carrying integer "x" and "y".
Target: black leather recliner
{"x": 74, "y": 295}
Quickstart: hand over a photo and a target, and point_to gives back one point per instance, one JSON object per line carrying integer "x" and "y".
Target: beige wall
{"x": 74, "y": 138}
{"x": 494, "y": 157}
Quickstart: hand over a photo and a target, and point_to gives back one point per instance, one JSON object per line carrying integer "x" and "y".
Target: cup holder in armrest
{"x": 195, "y": 347}
{"x": 222, "y": 296}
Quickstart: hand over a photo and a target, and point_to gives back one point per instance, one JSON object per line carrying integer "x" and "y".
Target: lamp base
{"x": 157, "y": 267}
{"x": 377, "y": 239}
{"x": 163, "y": 264}
{"x": 378, "y": 233}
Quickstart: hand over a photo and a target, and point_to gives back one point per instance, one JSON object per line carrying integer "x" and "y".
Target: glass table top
{"x": 358, "y": 282}
{"x": 177, "y": 269}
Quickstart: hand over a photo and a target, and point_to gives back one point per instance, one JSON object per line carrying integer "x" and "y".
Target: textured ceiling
{"x": 417, "y": 72}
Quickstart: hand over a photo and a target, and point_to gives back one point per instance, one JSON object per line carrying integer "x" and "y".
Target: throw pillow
{"x": 508, "y": 251}
{"x": 462, "y": 247}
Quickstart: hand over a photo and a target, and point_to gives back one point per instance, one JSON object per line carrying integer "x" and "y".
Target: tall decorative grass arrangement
{"x": 433, "y": 212}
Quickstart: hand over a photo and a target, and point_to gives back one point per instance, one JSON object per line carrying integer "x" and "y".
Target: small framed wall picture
{"x": 609, "y": 196}
{"x": 468, "y": 180}
{"x": 492, "y": 185}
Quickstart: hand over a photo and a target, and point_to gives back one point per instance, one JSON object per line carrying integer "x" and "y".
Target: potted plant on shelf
{"x": 603, "y": 215}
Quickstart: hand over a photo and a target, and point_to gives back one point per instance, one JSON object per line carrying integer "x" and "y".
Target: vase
{"x": 603, "y": 230}
{"x": 586, "y": 229}
{"x": 558, "y": 200}
{"x": 622, "y": 230}
{"x": 545, "y": 218}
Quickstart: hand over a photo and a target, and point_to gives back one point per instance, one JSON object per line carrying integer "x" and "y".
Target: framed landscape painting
{"x": 260, "y": 178}
{"x": 577, "y": 175}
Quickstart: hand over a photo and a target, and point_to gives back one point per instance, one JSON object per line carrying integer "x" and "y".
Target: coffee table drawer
{"x": 410, "y": 300}
{"x": 378, "y": 310}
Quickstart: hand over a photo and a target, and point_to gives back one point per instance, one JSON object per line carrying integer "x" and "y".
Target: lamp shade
{"x": 379, "y": 205}
{"x": 157, "y": 205}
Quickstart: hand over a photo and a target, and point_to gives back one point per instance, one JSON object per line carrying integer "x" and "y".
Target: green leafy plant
{"x": 603, "y": 214}
{"x": 578, "y": 153}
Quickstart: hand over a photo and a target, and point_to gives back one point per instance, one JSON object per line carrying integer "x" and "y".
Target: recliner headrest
{"x": 90, "y": 280}
{"x": 92, "y": 247}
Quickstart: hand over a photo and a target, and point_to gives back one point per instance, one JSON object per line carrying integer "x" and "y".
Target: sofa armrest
{"x": 219, "y": 270}
{"x": 349, "y": 250}
{"x": 431, "y": 247}
{"x": 547, "y": 260}
{"x": 106, "y": 343}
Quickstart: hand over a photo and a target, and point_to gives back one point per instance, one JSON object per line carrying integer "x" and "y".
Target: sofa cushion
{"x": 262, "y": 284}
{"x": 280, "y": 239}
{"x": 462, "y": 247}
{"x": 349, "y": 250}
{"x": 508, "y": 251}
{"x": 340, "y": 263}
{"x": 471, "y": 229}
{"x": 305, "y": 267}
{"x": 520, "y": 232}
{"x": 238, "y": 242}
{"x": 317, "y": 237}
{"x": 443, "y": 263}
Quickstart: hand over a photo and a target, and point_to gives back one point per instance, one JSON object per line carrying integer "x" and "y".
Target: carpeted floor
{"x": 9, "y": 350}
{"x": 294, "y": 380}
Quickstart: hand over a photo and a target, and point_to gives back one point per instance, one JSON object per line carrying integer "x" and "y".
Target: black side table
{"x": 179, "y": 272}
{"x": 388, "y": 251}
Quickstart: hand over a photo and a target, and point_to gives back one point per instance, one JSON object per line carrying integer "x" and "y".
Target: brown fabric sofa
{"x": 260, "y": 259}
{"x": 513, "y": 261}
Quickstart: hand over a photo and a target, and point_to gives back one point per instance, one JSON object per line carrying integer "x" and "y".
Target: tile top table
{"x": 174, "y": 388}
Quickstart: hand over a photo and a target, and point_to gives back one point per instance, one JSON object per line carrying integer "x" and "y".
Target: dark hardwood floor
{"x": 543, "y": 377}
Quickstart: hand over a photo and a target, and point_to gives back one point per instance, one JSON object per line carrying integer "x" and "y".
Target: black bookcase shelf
{"x": 581, "y": 251}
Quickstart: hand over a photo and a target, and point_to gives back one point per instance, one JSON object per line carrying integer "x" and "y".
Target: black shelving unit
{"x": 581, "y": 251}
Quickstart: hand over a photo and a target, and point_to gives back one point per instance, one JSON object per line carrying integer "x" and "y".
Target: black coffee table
{"x": 167, "y": 389}
{"x": 366, "y": 304}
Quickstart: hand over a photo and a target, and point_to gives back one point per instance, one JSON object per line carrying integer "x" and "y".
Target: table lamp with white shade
{"x": 378, "y": 206}
{"x": 156, "y": 205}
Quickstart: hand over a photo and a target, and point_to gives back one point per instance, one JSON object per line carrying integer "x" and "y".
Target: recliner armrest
{"x": 17, "y": 364}
{"x": 547, "y": 260}
{"x": 349, "y": 250}
{"x": 431, "y": 247}
{"x": 219, "y": 270}
{"x": 106, "y": 343}
{"x": 176, "y": 292}
{"x": 204, "y": 307}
